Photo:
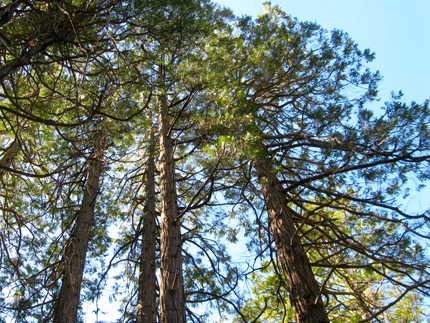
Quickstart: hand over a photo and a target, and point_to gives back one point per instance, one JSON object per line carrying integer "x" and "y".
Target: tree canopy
{"x": 145, "y": 139}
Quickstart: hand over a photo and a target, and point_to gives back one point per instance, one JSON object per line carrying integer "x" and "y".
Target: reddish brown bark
{"x": 172, "y": 298}
{"x": 302, "y": 286}
{"x": 146, "y": 305}
{"x": 66, "y": 305}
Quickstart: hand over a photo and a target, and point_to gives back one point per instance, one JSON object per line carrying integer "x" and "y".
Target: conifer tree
{"x": 260, "y": 121}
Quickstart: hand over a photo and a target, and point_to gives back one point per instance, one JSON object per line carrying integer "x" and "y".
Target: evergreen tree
{"x": 297, "y": 115}
{"x": 263, "y": 122}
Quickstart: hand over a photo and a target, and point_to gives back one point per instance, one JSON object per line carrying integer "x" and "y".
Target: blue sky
{"x": 397, "y": 31}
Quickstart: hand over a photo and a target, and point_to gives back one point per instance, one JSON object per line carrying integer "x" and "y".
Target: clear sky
{"x": 398, "y": 31}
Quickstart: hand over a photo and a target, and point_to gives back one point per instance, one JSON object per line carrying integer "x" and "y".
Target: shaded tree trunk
{"x": 172, "y": 298}
{"x": 302, "y": 286}
{"x": 66, "y": 305}
{"x": 146, "y": 305}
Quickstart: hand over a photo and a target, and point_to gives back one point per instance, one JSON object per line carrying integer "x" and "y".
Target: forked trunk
{"x": 146, "y": 305}
{"x": 66, "y": 305}
{"x": 172, "y": 298}
{"x": 302, "y": 286}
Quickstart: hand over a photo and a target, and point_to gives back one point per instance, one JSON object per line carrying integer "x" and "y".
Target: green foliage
{"x": 273, "y": 89}
{"x": 269, "y": 301}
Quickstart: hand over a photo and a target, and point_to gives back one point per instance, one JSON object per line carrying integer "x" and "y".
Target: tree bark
{"x": 66, "y": 305}
{"x": 172, "y": 297}
{"x": 302, "y": 286}
{"x": 146, "y": 305}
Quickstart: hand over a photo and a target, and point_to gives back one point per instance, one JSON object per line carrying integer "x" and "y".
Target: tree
{"x": 146, "y": 304}
{"x": 66, "y": 305}
{"x": 309, "y": 156}
{"x": 263, "y": 122}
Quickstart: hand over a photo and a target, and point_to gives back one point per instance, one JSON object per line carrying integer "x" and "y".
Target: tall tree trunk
{"x": 146, "y": 305}
{"x": 66, "y": 305}
{"x": 302, "y": 286}
{"x": 172, "y": 298}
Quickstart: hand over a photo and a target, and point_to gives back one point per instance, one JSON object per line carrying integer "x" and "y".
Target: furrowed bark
{"x": 146, "y": 305}
{"x": 172, "y": 298}
{"x": 302, "y": 286}
{"x": 66, "y": 305}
